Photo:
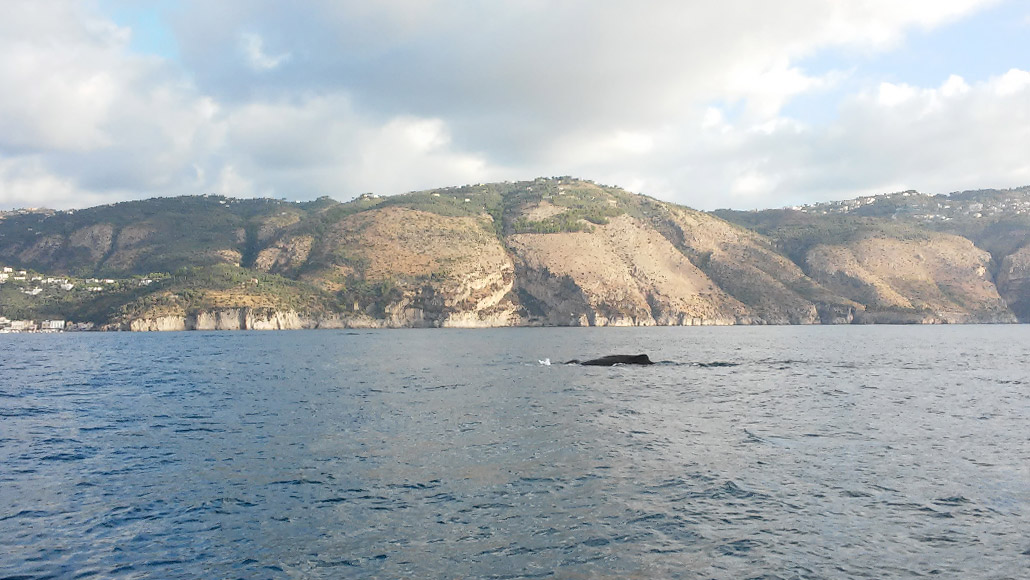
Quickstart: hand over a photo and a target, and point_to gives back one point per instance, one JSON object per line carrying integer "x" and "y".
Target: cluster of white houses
{"x": 40, "y": 286}
{"x": 9, "y": 273}
{"x": 37, "y": 281}
{"x": 8, "y": 326}
{"x": 928, "y": 208}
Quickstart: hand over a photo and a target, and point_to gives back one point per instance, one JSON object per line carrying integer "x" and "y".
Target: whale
{"x": 614, "y": 359}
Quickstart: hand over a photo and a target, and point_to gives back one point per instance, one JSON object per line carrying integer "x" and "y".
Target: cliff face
{"x": 746, "y": 265}
{"x": 229, "y": 319}
{"x": 1014, "y": 282}
{"x": 621, "y": 274}
{"x": 415, "y": 268}
{"x": 939, "y": 278}
{"x": 547, "y": 252}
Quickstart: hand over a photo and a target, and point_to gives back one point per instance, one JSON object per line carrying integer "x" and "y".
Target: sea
{"x": 781, "y": 452}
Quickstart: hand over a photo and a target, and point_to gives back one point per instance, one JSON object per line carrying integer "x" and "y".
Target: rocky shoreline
{"x": 254, "y": 319}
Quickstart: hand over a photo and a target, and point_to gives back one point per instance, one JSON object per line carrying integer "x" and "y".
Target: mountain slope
{"x": 556, "y": 251}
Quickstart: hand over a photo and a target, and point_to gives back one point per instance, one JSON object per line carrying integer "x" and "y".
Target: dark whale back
{"x": 617, "y": 359}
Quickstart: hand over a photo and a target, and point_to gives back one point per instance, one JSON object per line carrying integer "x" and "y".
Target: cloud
{"x": 253, "y": 48}
{"x": 319, "y": 145}
{"x": 684, "y": 100}
{"x": 937, "y": 139}
{"x": 1013, "y": 82}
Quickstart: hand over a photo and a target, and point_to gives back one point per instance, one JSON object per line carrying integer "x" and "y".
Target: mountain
{"x": 552, "y": 251}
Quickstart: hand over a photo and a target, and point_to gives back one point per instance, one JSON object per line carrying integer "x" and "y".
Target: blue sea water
{"x": 748, "y": 452}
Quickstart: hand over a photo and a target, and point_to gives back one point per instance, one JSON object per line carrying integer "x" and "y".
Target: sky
{"x": 734, "y": 104}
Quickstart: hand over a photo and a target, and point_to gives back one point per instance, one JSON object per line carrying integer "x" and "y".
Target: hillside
{"x": 556, "y": 251}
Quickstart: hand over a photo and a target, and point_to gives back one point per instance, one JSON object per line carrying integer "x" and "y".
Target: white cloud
{"x": 1012, "y": 82}
{"x": 253, "y": 47}
{"x": 714, "y": 119}
{"x": 231, "y": 183}
{"x": 684, "y": 100}
{"x": 955, "y": 86}
{"x": 751, "y": 184}
{"x": 321, "y": 145}
{"x": 27, "y": 182}
{"x": 937, "y": 139}
{"x": 892, "y": 95}
{"x": 58, "y": 84}
{"x": 408, "y": 153}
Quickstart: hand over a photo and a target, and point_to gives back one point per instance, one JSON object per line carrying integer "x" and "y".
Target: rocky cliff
{"x": 939, "y": 278}
{"x": 554, "y": 251}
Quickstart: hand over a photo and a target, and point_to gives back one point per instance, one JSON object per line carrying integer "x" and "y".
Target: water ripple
{"x": 747, "y": 453}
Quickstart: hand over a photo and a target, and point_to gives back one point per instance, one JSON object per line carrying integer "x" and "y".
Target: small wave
{"x": 432, "y": 484}
{"x": 297, "y": 482}
{"x": 752, "y": 438}
{"x": 738, "y": 547}
{"x": 951, "y": 501}
{"x": 199, "y": 430}
{"x": 64, "y": 457}
{"x": 929, "y": 511}
{"x": 695, "y": 364}
{"x": 26, "y": 412}
{"x": 337, "y": 564}
{"x": 732, "y": 489}
{"x": 26, "y": 514}
{"x": 444, "y": 387}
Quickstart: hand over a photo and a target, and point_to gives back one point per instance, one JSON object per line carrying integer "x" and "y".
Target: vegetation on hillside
{"x": 206, "y": 251}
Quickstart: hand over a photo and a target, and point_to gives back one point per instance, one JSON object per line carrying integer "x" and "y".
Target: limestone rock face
{"x": 746, "y": 266}
{"x": 160, "y": 323}
{"x": 412, "y": 268}
{"x": 621, "y": 274}
{"x": 941, "y": 278}
{"x": 284, "y": 255}
{"x": 227, "y": 319}
{"x": 1014, "y": 282}
{"x": 247, "y": 319}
